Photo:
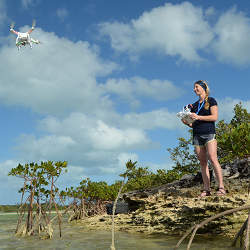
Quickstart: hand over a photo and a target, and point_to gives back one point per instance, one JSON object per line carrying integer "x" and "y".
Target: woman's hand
{"x": 195, "y": 116}
{"x": 190, "y": 125}
{"x": 207, "y": 118}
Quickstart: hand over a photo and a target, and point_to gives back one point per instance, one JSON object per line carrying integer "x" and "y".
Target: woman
{"x": 204, "y": 112}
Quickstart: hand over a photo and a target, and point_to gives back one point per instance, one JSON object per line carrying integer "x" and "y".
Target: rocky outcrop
{"x": 122, "y": 207}
{"x": 238, "y": 169}
{"x": 172, "y": 208}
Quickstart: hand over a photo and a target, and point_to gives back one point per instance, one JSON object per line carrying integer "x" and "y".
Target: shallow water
{"x": 76, "y": 237}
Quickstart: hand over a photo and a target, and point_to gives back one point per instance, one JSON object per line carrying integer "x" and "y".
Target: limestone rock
{"x": 173, "y": 208}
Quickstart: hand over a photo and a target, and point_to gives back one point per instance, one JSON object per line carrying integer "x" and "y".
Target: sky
{"x": 108, "y": 78}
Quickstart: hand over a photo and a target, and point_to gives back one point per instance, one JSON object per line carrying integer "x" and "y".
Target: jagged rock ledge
{"x": 173, "y": 208}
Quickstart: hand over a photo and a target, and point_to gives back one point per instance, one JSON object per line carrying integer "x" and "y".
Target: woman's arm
{"x": 208, "y": 118}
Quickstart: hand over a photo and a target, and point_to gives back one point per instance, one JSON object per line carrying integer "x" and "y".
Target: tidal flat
{"x": 76, "y": 236}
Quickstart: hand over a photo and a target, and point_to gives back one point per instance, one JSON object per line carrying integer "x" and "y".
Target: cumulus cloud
{"x": 57, "y": 77}
{"x": 111, "y": 138}
{"x": 83, "y": 141}
{"x": 47, "y": 147}
{"x": 183, "y": 30}
{"x": 175, "y": 30}
{"x": 99, "y": 147}
{"x": 132, "y": 89}
{"x": 62, "y": 13}
{"x": 232, "y": 38}
{"x": 160, "y": 118}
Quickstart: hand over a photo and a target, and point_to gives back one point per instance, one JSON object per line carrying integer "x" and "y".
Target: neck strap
{"x": 200, "y": 106}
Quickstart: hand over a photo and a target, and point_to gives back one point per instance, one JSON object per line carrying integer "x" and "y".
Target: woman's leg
{"x": 212, "y": 154}
{"x": 202, "y": 157}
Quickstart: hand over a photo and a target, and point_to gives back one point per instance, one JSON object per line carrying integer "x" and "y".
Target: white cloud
{"x": 134, "y": 88}
{"x": 83, "y": 141}
{"x": 99, "y": 147}
{"x": 47, "y": 147}
{"x": 175, "y": 30}
{"x": 226, "y": 107}
{"x": 183, "y": 30}
{"x": 160, "y": 118}
{"x": 105, "y": 137}
{"x": 62, "y": 13}
{"x": 233, "y": 34}
{"x": 57, "y": 76}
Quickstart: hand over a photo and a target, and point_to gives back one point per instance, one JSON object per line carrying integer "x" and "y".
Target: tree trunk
{"x": 30, "y": 211}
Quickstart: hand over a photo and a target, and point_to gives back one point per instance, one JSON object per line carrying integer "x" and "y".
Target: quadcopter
{"x": 24, "y": 39}
{"x": 185, "y": 114}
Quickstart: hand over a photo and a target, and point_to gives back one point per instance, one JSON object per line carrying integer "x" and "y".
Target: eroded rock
{"x": 173, "y": 208}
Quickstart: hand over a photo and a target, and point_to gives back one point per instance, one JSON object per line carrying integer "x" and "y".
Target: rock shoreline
{"x": 173, "y": 208}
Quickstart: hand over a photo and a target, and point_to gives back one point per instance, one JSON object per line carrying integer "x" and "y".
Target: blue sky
{"x": 108, "y": 79}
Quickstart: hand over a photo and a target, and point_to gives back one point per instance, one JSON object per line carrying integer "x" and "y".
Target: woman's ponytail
{"x": 206, "y": 106}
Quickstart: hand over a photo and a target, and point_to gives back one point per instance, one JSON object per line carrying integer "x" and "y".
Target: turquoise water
{"x": 76, "y": 237}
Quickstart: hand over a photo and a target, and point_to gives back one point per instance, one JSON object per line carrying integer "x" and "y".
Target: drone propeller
{"x": 12, "y": 25}
{"x": 34, "y": 23}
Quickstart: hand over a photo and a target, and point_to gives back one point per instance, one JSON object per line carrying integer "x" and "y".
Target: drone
{"x": 24, "y": 39}
{"x": 185, "y": 114}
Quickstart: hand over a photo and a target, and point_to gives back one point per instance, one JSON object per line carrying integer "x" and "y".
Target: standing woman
{"x": 204, "y": 112}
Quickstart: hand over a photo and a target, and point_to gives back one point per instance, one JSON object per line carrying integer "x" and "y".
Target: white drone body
{"x": 24, "y": 39}
{"x": 185, "y": 115}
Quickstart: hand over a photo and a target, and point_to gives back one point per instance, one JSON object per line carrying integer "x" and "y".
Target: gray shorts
{"x": 202, "y": 140}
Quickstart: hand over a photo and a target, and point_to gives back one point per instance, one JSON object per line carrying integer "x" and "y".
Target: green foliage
{"x": 234, "y": 137}
{"x": 184, "y": 158}
{"x": 113, "y": 190}
{"x": 241, "y": 116}
{"x": 137, "y": 178}
{"x": 39, "y": 182}
{"x": 90, "y": 198}
{"x": 140, "y": 178}
{"x": 39, "y": 185}
{"x": 38, "y": 177}
{"x": 166, "y": 176}
{"x": 93, "y": 191}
